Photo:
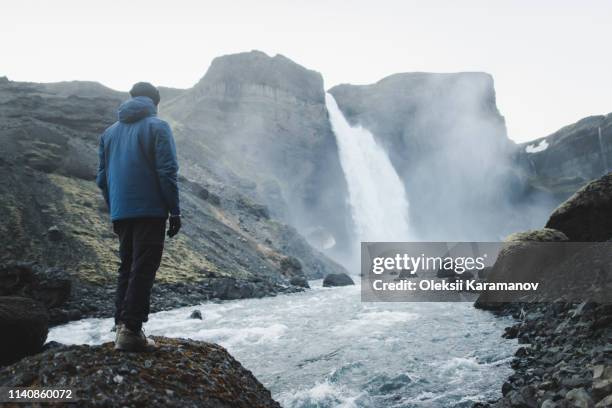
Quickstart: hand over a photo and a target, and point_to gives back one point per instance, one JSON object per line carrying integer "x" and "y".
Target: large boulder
{"x": 337, "y": 279}
{"x": 291, "y": 267}
{"x": 179, "y": 373}
{"x": 50, "y": 286}
{"x": 587, "y": 215}
{"x": 229, "y": 288}
{"x": 23, "y": 328}
{"x": 15, "y": 277}
{"x": 540, "y": 235}
{"x": 521, "y": 259}
{"x": 300, "y": 282}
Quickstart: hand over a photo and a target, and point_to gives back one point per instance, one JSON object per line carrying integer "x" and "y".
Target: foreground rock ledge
{"x": 179, "y": 373}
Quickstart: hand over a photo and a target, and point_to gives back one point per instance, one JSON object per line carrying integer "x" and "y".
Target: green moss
{"x": 93, "y": 230}
{"x": 89, "y": 227}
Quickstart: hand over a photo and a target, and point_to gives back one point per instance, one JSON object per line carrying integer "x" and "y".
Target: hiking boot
{"x": 117, "y": 328}
{"x": 130, "y": 340}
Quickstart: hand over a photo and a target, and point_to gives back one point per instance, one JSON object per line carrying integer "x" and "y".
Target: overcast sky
{"x": 551, "y": 60}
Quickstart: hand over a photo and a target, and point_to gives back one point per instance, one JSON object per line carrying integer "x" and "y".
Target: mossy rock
{"x": 24, "y": 328}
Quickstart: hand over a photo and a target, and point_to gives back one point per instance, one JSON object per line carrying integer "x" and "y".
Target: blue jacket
{"x": 138, "y": 167}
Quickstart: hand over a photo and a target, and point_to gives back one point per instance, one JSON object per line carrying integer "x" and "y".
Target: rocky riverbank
{"x": 67, "y": 299}
{"x": 565, "y": 358}
{"x": 179, "y": 373}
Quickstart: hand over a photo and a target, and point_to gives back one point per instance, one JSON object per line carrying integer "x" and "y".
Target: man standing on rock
{"x": 138, "y": 178}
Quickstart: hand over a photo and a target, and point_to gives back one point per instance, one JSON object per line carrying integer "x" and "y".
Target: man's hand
{"x": 175, "y": 225}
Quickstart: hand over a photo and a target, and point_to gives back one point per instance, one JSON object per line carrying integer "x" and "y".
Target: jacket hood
{"x": 135, "y": 109}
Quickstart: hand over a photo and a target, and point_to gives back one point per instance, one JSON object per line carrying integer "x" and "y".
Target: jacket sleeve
{"x": 166, "y": 166}
{"x": 101, "y": 177}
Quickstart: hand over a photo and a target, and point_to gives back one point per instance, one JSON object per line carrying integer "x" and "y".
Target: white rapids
{"x": 326, "y": 348}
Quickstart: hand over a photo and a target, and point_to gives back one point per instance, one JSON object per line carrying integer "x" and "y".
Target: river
{"x": 326, "y": 348}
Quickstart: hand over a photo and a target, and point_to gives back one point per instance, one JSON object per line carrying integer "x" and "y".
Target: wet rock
{"x": 511, "y": 332}
{"x": 522, "y": 352}
{"x": 14, "y": 276}
{"x": 582, "y": 308}
{"x": 529, "y": 396}
{"x": 579, "y": 398}
{"x": 291, "y": 267}
{"x": 566, "y": 367}
{"x": 516, "y": 399}
{"x": 575, "y": 381}
{"x": 23, "y": 328}
{"x": 54, "y": 234}
{"x": 521, "y": 259}
{"x": 196, "y": 314}
{"x": 602, "y": 381}
{"x": 229, "y": 288}
{"x": 50, "y": 286}
{"x": 506, "y": 388}
{"x": 209, "y": 376}
{"x": 605, "y": 403}
{"x": 299, "y": 281}
{"x": 337, "y": 279}
{"x": 587, "y": 215}
{"x": 601, "y": 323}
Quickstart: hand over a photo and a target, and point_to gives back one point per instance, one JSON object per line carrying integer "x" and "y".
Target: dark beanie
{"x": 145, "y": 89}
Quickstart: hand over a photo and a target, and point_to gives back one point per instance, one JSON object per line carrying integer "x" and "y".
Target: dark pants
{"x": 141, "y": 243}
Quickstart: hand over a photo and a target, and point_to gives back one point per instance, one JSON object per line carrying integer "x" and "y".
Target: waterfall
{"x": 604, "y": 159}
{"x": 378, "y": 200}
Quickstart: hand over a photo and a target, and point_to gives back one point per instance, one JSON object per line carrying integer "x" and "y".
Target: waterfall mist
{"x": 448, "y": 144}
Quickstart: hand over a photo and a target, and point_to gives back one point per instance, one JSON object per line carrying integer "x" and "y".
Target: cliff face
{"x": 447, "y": 141}
{"x": 565, "y": 160}
{"x": 418, "y": 110}
{"x": 55, "y": 216}
{"x": 261, "y": 122}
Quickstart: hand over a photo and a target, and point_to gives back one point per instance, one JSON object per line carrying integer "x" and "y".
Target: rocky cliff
{"x": 447, "y": 142}
{"x": 261, "y": 123}
{"x": 231, "y": 245}
{"x": 567, "y": 159}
